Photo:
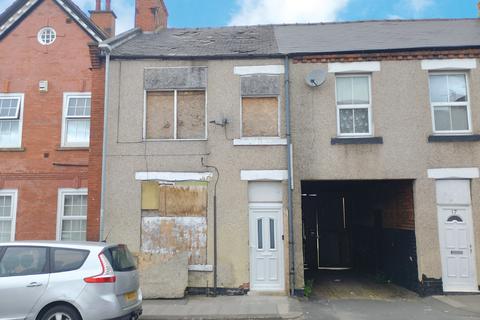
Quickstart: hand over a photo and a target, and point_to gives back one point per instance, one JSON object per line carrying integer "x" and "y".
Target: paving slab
{"x": 221, "y": 307}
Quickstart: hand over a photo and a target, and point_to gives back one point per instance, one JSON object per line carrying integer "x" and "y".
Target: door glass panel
{"x": 455, "y": 218}
{"x": 260, "y": 233}
{"x": 272, "y": 234}
{"x": 22, "y": 261}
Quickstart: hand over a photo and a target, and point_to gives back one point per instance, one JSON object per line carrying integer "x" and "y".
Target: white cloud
{"x": 286, "y": 11}
{"x": 394, "y": 17}
{"x": 419, "y": 5}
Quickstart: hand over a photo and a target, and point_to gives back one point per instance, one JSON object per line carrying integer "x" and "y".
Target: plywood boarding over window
{"x": 160, "y": 115}
{"x": 191, "y": 114}
{"x": 180, "y": 200}
{"x": 175, "y": 219}
{"x": 260, "y": 117}
{"x": 168, "y": 236}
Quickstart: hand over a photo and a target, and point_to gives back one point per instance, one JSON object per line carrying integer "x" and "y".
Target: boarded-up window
{"x": 175, "y": 115}
{"x": 160, "y": 115}
{"x": 191, "y": 114}
{"x": 175, "y": 219}
{"x": 260, "y": 117}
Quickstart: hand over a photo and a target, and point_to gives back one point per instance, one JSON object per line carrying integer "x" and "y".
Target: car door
{"x": 23, "y": 279}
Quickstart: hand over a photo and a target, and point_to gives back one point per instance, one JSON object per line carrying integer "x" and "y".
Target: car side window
{"x": 23, "y": 261}
{"x": 68, "y": 259}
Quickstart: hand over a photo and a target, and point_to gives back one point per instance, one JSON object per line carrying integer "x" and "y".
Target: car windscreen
{"x": 120, "y": 258}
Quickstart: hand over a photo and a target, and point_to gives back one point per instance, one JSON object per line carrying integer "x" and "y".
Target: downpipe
{"x": 291, "y": 240}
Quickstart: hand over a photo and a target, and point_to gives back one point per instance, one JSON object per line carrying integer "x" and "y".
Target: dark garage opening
{"x": 359, "y": 229}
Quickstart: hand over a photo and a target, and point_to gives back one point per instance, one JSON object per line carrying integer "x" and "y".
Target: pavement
{"x": 457, "y": 307}
{"x": 222, "y": 307}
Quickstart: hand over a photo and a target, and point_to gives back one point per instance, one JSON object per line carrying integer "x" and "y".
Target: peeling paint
{"x": 168, "y": 236}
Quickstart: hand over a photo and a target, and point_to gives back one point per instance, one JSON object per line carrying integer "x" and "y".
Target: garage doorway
{"x": 361, "y": 232}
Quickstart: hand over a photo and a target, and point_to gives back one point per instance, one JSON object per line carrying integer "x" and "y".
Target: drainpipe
{"x": 291, "y": 240}
{"x": 107, "y": 49}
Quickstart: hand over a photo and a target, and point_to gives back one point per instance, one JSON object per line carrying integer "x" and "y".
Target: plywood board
{"x": 160, "y": 115}
{"x": 260, "y": 117}
{"x": 184, "y": 200}
{"x": 150, "y": 198}
{"x": 191, "y": 114}
{"x": 169, "y": 236}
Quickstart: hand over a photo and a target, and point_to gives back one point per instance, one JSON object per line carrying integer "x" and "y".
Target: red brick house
{"x": 47, "y": 64}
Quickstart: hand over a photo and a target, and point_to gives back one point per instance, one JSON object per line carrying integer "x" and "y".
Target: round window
{"x": 46, "y": 36}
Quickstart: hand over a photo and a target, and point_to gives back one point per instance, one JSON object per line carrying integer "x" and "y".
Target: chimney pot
{"x": 107, "y": 6}
{"x": 98, "y": 5}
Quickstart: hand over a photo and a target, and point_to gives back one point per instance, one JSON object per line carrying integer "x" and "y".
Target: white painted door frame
{"x": 266, "y": 211}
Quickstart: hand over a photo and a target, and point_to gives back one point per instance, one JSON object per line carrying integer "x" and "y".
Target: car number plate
{"x": 131, "y": 296}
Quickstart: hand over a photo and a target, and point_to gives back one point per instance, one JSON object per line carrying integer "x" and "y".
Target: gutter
{"x": 107, "y": 49}
{"x": 291, "y": 240}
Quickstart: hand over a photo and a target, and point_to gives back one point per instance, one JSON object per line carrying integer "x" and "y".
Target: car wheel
{"x": 61, "y": 313}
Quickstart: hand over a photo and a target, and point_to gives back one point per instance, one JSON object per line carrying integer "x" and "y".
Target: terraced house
{"x": 46, "y": 72}
{"x": 256, "y": 158}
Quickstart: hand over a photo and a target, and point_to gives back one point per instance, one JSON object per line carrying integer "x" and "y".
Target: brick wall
{"x": 42, "y": 167}
{"x": 96, "y": 145}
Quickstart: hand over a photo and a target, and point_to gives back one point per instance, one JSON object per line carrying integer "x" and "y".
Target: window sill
{"x": 362, "y": 140}
{"x": 200, "y": 268}
{"x": 260, "y": 142}
{"x": 73, "y": 149}
{"x": 454, "y": 138}
{"x": 12, "y": 149}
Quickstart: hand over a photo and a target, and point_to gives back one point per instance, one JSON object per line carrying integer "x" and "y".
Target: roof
{"x": 19, "y": 9}
{"x": 207, "y": 42}
{"x": 278, "y": 40}
{"x": 378, "y": 35}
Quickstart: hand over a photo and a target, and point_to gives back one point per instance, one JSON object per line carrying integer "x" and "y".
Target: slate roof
{"x": 207, "y": 42}
{"x": 18, "y": 4}
{"x": 378, "y": 35}
{"x": 277, "y": 40}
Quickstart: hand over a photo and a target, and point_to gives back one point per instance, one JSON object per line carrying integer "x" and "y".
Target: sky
{"x": 214, "y": 13}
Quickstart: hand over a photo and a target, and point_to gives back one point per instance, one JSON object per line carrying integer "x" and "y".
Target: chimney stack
{"x": 104, "y": 18}
{"x": 150, "y": 15}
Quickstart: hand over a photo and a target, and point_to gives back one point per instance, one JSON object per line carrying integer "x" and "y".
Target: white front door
{"x": 457, "y": 249}
{"x": 266, "y": 247}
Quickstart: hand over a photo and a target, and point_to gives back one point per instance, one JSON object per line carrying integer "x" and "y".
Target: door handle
{"x": 34, "y": 285}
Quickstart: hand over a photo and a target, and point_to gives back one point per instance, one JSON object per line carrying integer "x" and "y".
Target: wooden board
{"x": 191, "y": 114}
{"x": 169, "y": 236}
{"x": 160, "y": 115}
{"x": 260, "y": 117}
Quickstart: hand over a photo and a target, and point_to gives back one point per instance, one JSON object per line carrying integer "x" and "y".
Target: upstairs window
{"x": 450, "y": 103}
{"x": 175, "y": 115}
{"x": 76, "y": 120}
{"x": 46, "y": 36}
{"x": 260, "y": 117}
{"x": 353, "y": 105}
{"x": 11, "y": 120}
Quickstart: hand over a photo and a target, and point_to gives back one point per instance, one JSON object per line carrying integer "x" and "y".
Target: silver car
{"x": 68, "y": 281}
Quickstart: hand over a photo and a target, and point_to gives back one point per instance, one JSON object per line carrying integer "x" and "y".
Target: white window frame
{"x": 66, "y": 97}
{"x": 262, "y": 138}
{"x": 21, "y": 96}
{"x": 61, "y": 206}
{"x": 450, "y": 104}
{"x": 355, "y": 106}
{"x": 175, "y": 124}
{"x": 40, "y": 33}
{"x": 14, "y": 194}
